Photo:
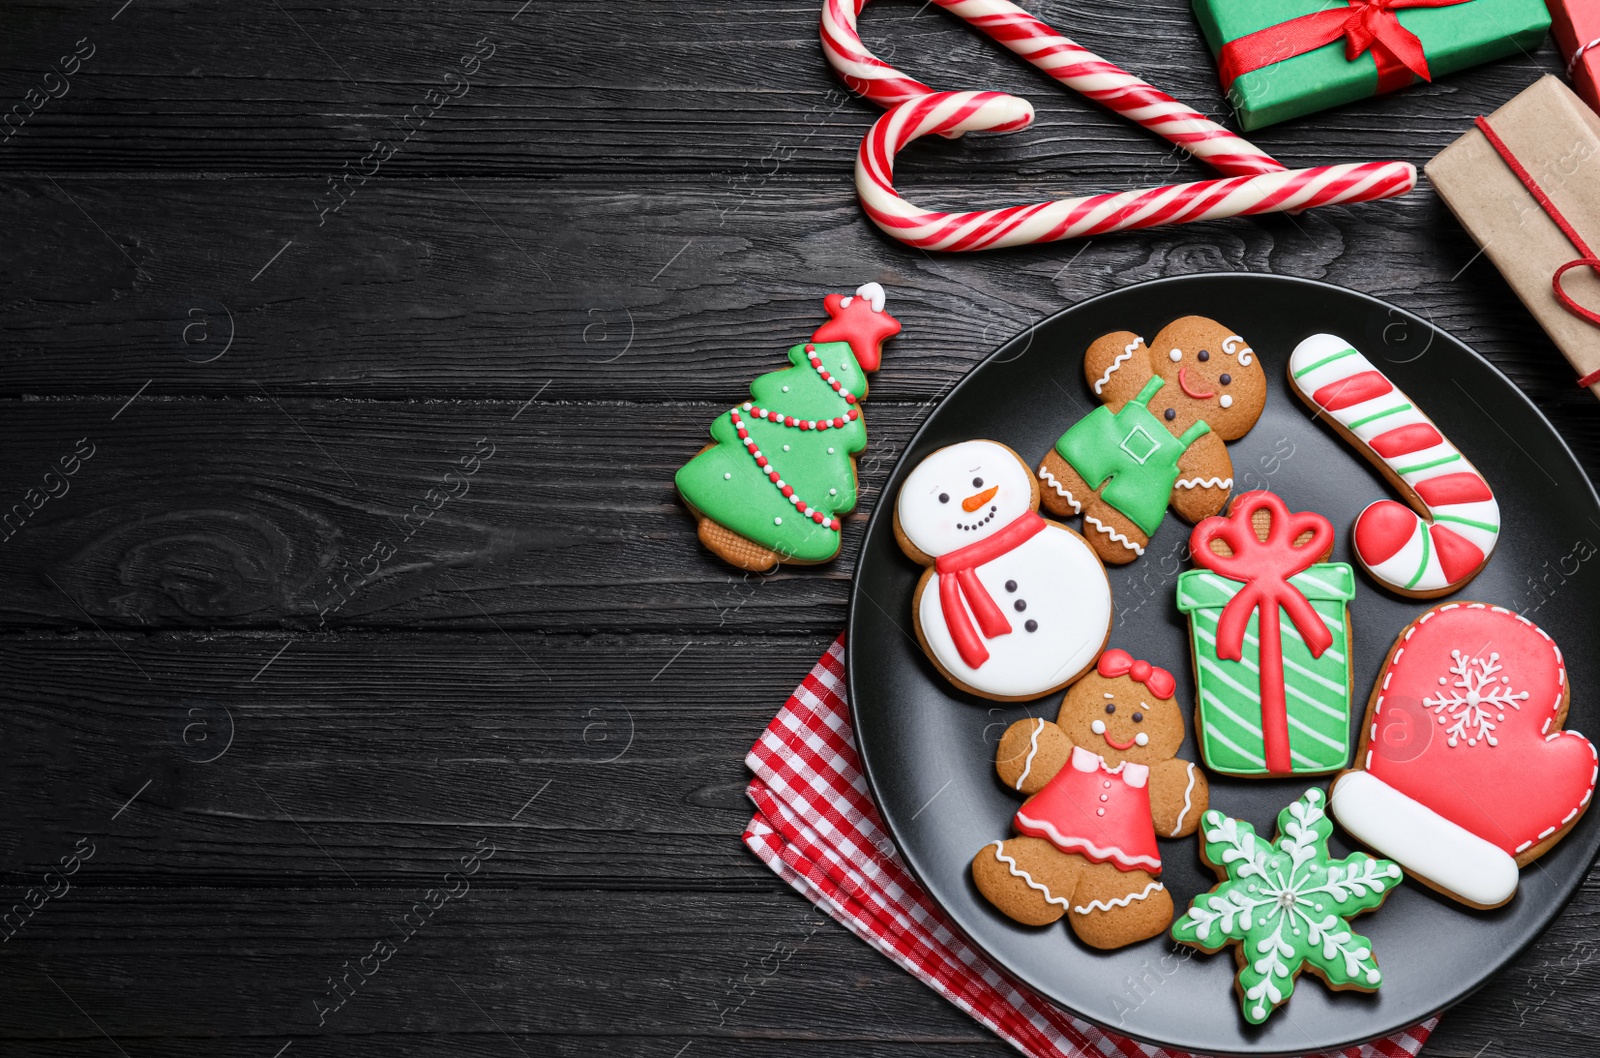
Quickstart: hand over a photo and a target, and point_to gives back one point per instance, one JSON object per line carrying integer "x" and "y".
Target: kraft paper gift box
{"x": 1331, "y": 55}
{"x": 1556, "y": 138}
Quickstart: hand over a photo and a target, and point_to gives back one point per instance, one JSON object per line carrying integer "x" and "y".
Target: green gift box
{"x": 1280, "y": 59}
{"x": 1316, "y": 690}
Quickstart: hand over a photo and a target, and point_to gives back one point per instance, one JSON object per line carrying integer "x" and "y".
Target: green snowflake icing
{"x": 1286, "y": 903}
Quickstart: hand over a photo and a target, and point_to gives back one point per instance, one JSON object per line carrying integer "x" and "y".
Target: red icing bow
{"x": 1116, "y": 662}
{"x": 1366, "y": 25}
{"x": 1265, "y": 566}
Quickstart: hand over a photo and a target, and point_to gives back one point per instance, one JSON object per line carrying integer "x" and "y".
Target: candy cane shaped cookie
{"x": 1449, "y": 531}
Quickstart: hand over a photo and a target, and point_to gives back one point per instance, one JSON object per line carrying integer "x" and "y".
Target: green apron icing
{"x": 1131, "y": 454}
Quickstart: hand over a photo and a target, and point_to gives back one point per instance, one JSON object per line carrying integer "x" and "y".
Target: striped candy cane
{"x": 952, "y": 113}
{"x": 1415, "y": 555}
{"x": 1072, "y": 64}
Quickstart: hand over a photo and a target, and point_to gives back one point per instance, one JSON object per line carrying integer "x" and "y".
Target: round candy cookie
{"x": 1103, "y": 782}
{"x": 1464, "y": 772}
{"x": 1285, "y": 905}
{"x": 1159, "y": 438}
{"x": 1012, "y": 606}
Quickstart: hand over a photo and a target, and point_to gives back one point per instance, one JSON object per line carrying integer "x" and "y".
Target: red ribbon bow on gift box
{"x": 1265, "y": 566}
{"x": 1366, "y": 25}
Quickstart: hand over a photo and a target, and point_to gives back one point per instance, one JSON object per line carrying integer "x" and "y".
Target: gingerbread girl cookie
{"x": 1103, "y": 782}
{"x": 1159, "y": 438}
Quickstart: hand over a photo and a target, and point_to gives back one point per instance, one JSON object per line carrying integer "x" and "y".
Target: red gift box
{"x": 1576, "y": 24}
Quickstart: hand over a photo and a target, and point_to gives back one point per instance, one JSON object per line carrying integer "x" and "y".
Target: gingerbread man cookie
{"x": 1159, "y": 440}
{"x": 1103, "y": 782}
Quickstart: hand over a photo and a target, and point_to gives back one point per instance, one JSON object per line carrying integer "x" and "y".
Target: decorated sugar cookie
{"x": 1269, "y": 624}
{"x": 781, "y": 471}
{"x": 1464, "y": 773}
{"x": 1103, "y": 783}
{"x": 1158, "y": 440}
{"x": 1286, "y": 906}
{"x": 1444, "y": 537}
{"x": 1012, "y": 606}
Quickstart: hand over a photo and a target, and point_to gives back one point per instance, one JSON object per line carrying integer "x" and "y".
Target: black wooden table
{"x": 371, "y": 336}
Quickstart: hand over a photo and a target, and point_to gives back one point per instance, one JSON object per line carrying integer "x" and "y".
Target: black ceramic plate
{"x": 929, "y": 748}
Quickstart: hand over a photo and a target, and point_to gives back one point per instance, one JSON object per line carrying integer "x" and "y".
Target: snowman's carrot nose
{"x": 972, "y": 503}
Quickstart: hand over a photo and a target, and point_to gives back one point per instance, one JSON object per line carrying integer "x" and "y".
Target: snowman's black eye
{"x": 1111, "y": 707}
{"x": 1203, "y": 356}
{"x": 977, "y": 483}
{"x": 1138, "y": 717}
{"x": 944, "y": 497}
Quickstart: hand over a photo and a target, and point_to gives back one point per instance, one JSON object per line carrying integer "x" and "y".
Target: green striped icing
{"x": 1324, "y": 362}
{"x": 1317, "y": 689}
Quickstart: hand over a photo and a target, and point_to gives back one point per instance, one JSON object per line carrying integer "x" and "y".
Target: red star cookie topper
{"x": 860, "y": 320}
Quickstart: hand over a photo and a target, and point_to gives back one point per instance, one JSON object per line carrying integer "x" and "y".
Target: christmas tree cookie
{"x": 1286, "y": 905}
{"x": 781, "y": 469}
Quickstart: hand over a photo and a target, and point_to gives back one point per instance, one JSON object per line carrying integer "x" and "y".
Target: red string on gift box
{"x": 1264, "y": 567}
{"x": 1549, "y": 207}
{"x": 1366, "y": 25}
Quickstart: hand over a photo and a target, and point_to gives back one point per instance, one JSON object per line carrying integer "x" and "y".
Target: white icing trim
{"x": 1113, "y": 534}
{"x": 1187, "y": 803}
{"x": 1033, "y": 751}
{"x": 1050, "y": 479}
{"x": 1204, "y": 483}
{"x": 1067, "y": 844}
{"x": 1424, "y": 842}
{"x": 873, "y": 292}
{"x": 1123, "y": 357}
{"x": 1230, "y": 345}
{"x": 1018, "y": 872}
{"x": 1121, "y": 901}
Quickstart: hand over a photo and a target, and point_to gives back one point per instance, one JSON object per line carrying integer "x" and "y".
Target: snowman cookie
{"x": 1103, "y": 782}
{"x": 1158, "y": 440}
{"x": 1012, "y": 606}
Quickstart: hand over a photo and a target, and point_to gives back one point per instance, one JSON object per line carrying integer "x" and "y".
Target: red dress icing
{"x": 1099, "y": 812}
{"x": 1463, "y": 726}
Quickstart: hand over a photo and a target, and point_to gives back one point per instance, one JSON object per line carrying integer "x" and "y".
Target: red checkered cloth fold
{"x": 818, "y": 829}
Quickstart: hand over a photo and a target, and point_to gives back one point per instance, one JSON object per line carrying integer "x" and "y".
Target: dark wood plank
{"x": 508, "y": 289}
{"x": 267, "y": 513}
{"x": 595, "y": 761}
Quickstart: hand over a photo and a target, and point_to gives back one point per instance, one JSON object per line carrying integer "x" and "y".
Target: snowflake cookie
{"x": 1286, "y": 905}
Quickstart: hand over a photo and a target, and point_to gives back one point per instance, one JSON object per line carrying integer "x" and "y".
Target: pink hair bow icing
{"x": 1253, "y": 181}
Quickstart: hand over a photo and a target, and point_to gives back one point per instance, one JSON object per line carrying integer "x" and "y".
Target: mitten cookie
{"x": 1012, "y": 606}
{"x": 1285, "y": 906}
{"x": 1445, "y": 536}
{"x": 781, "y": 469}
{"x": 1103, "y": 782}
{"x": 1465, "y": 774}
{"x": 1158, "y": 441}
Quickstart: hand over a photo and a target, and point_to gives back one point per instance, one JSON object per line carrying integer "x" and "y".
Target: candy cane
{"x": 1072, "y": 64}
{"x": 945, "y": 113}
{"x": 1415, "y": 555}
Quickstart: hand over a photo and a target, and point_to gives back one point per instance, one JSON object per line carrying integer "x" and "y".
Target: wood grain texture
{"x": 630, "y": 211}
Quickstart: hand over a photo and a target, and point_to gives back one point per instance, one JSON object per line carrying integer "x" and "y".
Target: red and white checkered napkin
{"x": 817, "y": 827}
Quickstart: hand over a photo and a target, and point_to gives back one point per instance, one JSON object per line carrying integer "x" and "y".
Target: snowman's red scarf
{"x": 958, "y": 577}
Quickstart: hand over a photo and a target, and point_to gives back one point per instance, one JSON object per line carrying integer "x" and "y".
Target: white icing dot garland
{"x": 779, "y": 419}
